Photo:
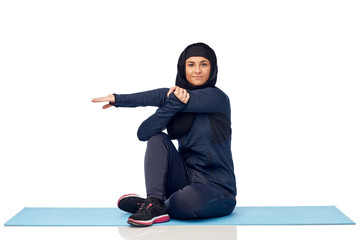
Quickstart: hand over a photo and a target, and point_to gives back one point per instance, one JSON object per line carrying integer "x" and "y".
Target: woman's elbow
{"x": 142, "y": 136}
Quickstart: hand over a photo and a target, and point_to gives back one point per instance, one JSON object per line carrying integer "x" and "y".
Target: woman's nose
{"x": 197, "y": 69}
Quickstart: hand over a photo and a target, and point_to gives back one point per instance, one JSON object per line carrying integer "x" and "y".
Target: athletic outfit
{"x": 197, "y": 180}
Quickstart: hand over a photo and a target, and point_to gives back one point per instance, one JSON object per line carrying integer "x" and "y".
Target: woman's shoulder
{"x": 214, "y": 90}
{"x": 221, "y": 93}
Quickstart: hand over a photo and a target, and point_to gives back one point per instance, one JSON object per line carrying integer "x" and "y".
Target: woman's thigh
{"x": 200, "y": 200}
{"x": 165, "y": 170}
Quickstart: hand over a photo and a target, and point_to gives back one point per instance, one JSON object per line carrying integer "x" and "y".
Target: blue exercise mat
{"x": 304, "y": 215}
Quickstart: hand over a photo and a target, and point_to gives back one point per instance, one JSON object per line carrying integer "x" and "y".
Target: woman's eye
{"x": 190, "y": 64}
{"x": 204, "y": 64}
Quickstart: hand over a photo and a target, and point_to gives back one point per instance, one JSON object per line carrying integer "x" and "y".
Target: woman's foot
{"x": 130, "y": 203}
{"x": 151, "y": 211}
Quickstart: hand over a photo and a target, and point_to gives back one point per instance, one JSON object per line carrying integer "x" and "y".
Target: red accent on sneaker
{"x": 160, "y": 219}
{"x": 127, "y": 195}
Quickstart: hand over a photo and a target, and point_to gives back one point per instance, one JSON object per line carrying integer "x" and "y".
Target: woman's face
{"x": 197, "y": 70}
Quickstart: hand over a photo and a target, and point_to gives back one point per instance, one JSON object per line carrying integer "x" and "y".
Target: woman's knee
{"x": 199, "y": 201}
{"x": 217, "y": 208}
{"x": 180, "y": 206}
{"x": 160, "y": 137}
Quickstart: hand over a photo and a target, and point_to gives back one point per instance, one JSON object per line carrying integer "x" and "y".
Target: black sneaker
{"x": 151, "y": 211}
{"x": 130, "y": 203}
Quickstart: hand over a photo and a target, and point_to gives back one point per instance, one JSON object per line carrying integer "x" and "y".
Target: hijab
{"x": 181, "y": 122}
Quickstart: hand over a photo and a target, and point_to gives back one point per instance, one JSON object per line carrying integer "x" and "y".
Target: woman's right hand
{"x": 180, "y": 93}
{"x": 108, "y": 98}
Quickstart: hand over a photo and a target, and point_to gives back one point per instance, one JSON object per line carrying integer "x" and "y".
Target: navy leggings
{"x": 167, "y": 177}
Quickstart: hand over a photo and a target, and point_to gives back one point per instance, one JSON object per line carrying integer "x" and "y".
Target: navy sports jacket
{"x": 206, "y": 148}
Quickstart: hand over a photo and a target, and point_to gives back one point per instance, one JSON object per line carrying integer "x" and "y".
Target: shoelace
{"x": 145, "y": 206}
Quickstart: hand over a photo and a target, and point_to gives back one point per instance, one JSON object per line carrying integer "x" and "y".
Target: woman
{"x": 197, "y": 180}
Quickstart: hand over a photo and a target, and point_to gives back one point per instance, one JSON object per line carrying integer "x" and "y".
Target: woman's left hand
{"x": 180, "y": 93}
{"x": 108, "y": 98}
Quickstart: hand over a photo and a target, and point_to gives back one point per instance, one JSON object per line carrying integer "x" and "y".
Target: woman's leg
{"x": 165, "y": 171}
{"x": 200, "y": 200}
{"x": 167, "y": 177}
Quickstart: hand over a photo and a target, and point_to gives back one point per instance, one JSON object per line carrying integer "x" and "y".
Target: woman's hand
{"x": 108, "y": 98}
{"x": 180, "y": 93}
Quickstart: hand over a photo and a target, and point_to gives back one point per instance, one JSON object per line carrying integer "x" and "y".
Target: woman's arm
{"x": 157, "y": 122}
{"x": 155, "y": 98}
{"x": 207, "y": 100}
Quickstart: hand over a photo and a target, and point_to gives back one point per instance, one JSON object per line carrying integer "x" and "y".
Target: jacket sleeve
{"x": 157, "y": 122}
{"x": 155, "y": 98}
{"x": 207, "y": 100}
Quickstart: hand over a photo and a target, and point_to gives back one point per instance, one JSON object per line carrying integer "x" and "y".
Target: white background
{"x": 290, "y": 68}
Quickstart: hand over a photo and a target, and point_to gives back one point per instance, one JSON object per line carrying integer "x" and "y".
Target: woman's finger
{"x": 182, "y": 92}
{"x": 108, "y": 98}
{"x": 186, "y": 98}
{"x": 107, "y": 106}
{"x": 172, "y": 89}
{"x": 100, "y": 99}
{"x": 176, "y": 92}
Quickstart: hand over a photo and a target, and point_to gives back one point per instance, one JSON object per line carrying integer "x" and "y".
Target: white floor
{"x": 183, "y": 232}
